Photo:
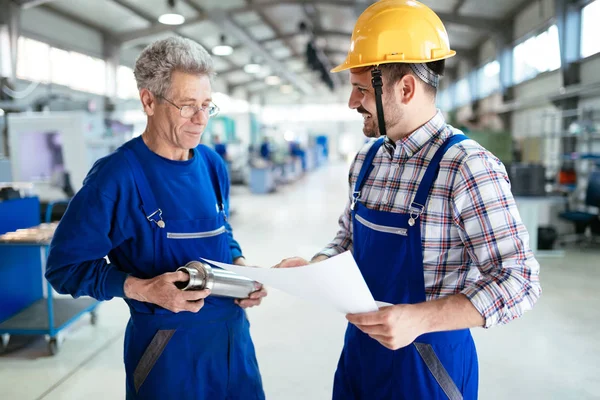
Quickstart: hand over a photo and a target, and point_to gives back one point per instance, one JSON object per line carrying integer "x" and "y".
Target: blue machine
{"x": 262, "y": 180}
{"x": 27, "y": 305}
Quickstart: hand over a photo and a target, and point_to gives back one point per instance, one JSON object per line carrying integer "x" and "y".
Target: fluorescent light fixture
{"x": 491, "y": 69}
{"x": 289, "y": 136}
{"x": 286, "y": 89}
{"x": 171, "y": 19}
{"x": 252, "y": 68}
{"x": 272, "y": 80}
{"x": 222, "y": 50}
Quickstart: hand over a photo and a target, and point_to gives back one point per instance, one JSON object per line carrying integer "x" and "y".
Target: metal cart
{"x": 31, "y": 308}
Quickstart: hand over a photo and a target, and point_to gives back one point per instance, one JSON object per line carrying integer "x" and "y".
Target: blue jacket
{"x": 105, "y": 219}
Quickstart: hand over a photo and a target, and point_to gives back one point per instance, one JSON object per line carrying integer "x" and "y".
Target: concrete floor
{"x": 552, "y": 353}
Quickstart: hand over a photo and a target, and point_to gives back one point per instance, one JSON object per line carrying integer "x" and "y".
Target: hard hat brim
{"x": 346, "y": 65}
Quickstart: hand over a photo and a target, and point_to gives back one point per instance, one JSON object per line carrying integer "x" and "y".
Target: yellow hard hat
{"x": 397, "y": 31}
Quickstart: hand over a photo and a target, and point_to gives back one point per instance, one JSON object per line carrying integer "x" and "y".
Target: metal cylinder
{"x": 220, "y": 282}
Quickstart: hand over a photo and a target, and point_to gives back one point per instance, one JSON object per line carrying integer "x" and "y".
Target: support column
{"x": 568, "y": 22}
{"x": 504, "y": 54}
{"x": 111, "y": 53}
{"x": 10, "y": 29}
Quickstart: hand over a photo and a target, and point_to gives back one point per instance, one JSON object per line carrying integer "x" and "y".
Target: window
{"x": 96, "y": 76}
{"x": 538, "y": 54}
{"x": 38, "y": 62}
{"x": 87, "y": 74}
{"x": 488, "y": 79}
{"x": 463, "y": 92}
{"x": 126, "y": 86}
{"x": 33, "y": 60}
{"x": 60, "y": 67}
{"x": 6, "y": 67}
{"x": 590, "y": 29}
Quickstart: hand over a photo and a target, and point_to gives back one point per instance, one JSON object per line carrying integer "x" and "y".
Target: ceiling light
{"x": 272, "y": 80}
{"x": 252, "y": 68}
{"x": 286, "y": 89}
{"x": 171, "y": 19}
{"x": 222, "y": 49}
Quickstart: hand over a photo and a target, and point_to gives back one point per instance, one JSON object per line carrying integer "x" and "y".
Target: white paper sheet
{"x": 335, "y": 282}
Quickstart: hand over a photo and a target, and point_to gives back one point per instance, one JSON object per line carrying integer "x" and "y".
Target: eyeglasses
{"x": 189, "y": 111}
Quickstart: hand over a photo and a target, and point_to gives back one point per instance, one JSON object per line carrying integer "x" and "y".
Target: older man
{"x": 156, "y": 203}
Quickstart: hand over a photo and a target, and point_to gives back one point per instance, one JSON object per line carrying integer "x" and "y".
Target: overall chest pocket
{"x": 185, "y": 241}
{"x": 196, "y": 235}
{"x": 381, "y": 228}
{"x": 382, "y": 253}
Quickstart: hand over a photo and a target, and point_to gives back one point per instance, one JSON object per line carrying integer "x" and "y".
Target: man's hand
{"x": 162, "y": 291}
{"x": 394, "y": 327}
{"x": 298, "y": 262}
{"x": 254, "y": 300}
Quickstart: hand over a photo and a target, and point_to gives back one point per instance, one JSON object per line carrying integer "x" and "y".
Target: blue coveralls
{"x": 202, "y": 356}
{"x": 388, "y": 251}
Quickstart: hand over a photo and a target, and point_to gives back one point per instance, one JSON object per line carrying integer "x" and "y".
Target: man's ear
{"x": 406, "y": 88}
{"x": 148, "y": 101}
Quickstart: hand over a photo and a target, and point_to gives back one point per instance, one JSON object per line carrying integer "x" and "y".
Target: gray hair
{"x": 156, "y": 63}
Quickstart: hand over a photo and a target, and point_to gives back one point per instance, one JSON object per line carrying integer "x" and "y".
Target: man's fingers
{"x": 292, "y": 262}
{"x": 194, "y": 306}
{"x": 373, "y": 318}
{"x": 193, "y": 295}
{"x": 375, "y": 329}
{"x": 384, "y": 341}
{"x": 177, "y": 276}
{"x": 258, "y": 294}
{"x": 248, "y": 303}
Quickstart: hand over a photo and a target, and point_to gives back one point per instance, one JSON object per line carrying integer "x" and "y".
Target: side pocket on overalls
{"x": 438, "y": 371}
{"x": 150, "y": 356}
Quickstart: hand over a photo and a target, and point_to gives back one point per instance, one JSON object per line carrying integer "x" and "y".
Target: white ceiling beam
{"x": 221, "y": 18}
{"x": 25, "y": 4}
{"x": 480, "y": 23}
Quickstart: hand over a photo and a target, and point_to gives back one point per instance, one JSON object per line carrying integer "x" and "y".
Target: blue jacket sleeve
{"x": 236, "y": 250}
{"x": 85, "y": 235}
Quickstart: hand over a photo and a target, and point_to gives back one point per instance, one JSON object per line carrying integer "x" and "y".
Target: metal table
{"x": 28, "y": 306}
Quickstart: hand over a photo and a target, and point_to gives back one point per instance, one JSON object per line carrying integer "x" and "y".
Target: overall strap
{"x": 418, "y": 203}
{"x": 366, "y": 169}
{"x": 214, "y": 178}
{"x": 151, "y": 210}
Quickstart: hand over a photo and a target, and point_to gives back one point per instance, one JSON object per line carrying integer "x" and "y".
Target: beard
{"x": 392, "y": 115}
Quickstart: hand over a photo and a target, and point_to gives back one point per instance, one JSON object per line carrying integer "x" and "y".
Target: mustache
{"x": 361, "y": 110}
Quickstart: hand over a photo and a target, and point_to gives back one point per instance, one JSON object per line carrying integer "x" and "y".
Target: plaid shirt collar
{"x": 414, "y": 142}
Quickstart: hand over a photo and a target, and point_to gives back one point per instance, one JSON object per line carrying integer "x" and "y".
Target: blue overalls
{"x": 388, "y": 251}
{"x": 207, "y": 355}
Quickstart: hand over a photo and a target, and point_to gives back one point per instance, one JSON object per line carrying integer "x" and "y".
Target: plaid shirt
{"x": 473, "y": 239}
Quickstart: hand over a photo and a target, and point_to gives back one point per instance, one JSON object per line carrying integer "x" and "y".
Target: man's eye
{"x": 362, "y": 91}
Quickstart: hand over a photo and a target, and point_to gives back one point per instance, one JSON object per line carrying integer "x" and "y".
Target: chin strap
{"x": 378, "y": 86}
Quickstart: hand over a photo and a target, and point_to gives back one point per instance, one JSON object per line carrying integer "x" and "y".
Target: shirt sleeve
{"x": 85, "y": 235}
{"x": 343, "y": 239}
{"x": 496, "y": 240}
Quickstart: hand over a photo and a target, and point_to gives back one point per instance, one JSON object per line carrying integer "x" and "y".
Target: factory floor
{"x": 552, "y": 353}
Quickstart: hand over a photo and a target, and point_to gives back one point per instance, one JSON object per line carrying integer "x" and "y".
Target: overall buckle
{"x": 156, "y": 217}
{"x": 355, "y": 197}
{"x": 416, "y": 210}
